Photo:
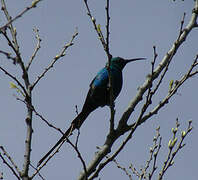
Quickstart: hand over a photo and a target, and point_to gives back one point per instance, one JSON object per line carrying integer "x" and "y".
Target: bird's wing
{"x": 98, "y": 92}
{"x": 101, "y": 79}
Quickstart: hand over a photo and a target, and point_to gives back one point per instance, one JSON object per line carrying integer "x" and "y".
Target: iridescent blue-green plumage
{"x": 98, "y": 94}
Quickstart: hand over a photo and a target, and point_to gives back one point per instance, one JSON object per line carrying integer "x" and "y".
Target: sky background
{"x": 135, "y": 26}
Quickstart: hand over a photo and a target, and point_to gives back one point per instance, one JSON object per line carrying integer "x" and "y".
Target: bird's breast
{"x": 116, "y": 82}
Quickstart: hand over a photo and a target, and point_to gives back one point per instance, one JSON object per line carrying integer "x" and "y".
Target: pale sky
{"x": 135, "y": 26}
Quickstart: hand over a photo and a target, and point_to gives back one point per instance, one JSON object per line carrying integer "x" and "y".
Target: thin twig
{"x": 181, "y": 25}
{"x": 38, "y": 172}
{"x": 134, "y": 170}
{"x": 163, "y": 64}
{"x": 33, "y": 5}
{"x": 122, "y": 168}
{"x": 46, "y": 121}
{"x": 40, "y": 116}
{"x": 44, "y": 164}
{"x": 106, "y": 49}
{"x": 170, "y": 57}
{"x": 55, "y": 59}
{"x": 8, "y": 55}
{"x": 57, "y": 150}
{"x": 138, "y": 122}
{"x": 162, "y": 75}
{"x": 78, "y": 135}
{"x": 103, "y": 164}
{"x": 10, "y": 159}
{"x": 75, "y": 147}
{"x": 12, "y": 30}
{"x": 15, "y": 79}
{"x": 18, "y": 59}
{"x": 174, "y": 89}
{"x": 99, "y": 32}
{"x": 107, "y": 28}
{"x": 36, "y": 48}
{"x": 150, "y": 93}
{"x": 172, "y": 143}
{"x": 155, "y": 159}
{"x": 10, "y": 167}
{"x": 96, "y": 166}
{"x": 112, "y": 110}
{"x": 153, "y": 153}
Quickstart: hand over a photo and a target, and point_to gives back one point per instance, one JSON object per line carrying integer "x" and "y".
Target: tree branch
{"x": 98, "y": 30}
{"x": 15, "y": 79}
{"x": 172, "y": 143}
{"x": 11, "y": 160}
{"x": 170, "y": 54}
{"x": 10, "y": 167}
{"x": 62, "y": 53}
{"x": 8, "y": 55}
{"x": 33, "y": 5}
{"x": 40, "y": 116}
{"x": 36, "y": 48}
{"x": 12, "y": 30}
{"x": 122, "y": 126}
{"x": 173, "y": 91}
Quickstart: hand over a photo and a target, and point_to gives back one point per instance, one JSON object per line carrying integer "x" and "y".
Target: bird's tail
{"x": 76, "y": 124}
{"x": 78, "y": 121}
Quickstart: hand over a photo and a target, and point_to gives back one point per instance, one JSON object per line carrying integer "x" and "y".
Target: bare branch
{"x": 44, "y": 164}
{"x": 18, "y": 59}
{"x": 134, "y": 170}
{"x": 40, "y": 116}
{"x": 8, "y": 165}
{"x": 10, "y": 159}
{"x": 155, "y": 159}
{"x": 164, "y": 64}
{"x": 113, "y": 156}
{"x": 172, "y": 143}
{"x": 49, "y": 124}
{"x": 8, "y": 55}
{"x": 62, "y": 53}
{"x": 75, "y": 147}
{"x": 33, "y": 5}
{"x": 181, "y": 26}
{"x": 14, "y": 78}
{"x": 38, "y": 172}
{"x": 173, "y": 91}
{"x": 95, "y": 166}
{"x": 12, "y": 30}
{"x": 122, "y": 168}
{"x": 36, "y": 48}
{"x": 57, "y": 150}
{"x": 153, "y": 154}
{"x": 27, "y": 91}
{"x": 150, "y": 92}
{"x": 107, "y": 29}
{"x": 98, "y": 30}
{"x": 112, "y": 110}
{"x": 106, "y": 49}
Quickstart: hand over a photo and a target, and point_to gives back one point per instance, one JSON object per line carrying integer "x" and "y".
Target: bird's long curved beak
{"x": 135, "y": 59}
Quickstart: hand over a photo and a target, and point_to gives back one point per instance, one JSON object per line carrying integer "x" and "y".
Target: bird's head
{"x": 120, "y": 62}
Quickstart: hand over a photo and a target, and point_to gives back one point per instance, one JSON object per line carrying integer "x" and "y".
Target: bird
{"x": 98, "y": 94}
